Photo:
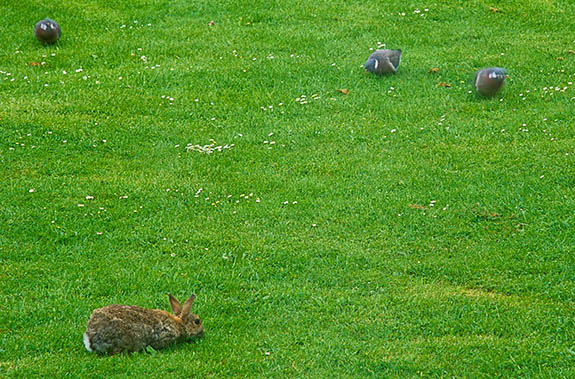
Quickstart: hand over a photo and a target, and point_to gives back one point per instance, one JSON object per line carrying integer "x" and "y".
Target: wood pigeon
{"x": 383, "y": 61}
{"x": 489, "y": 81}
{"x": 47, "y": 31}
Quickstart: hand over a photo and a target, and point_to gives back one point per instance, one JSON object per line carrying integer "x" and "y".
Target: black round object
{"x": 47, "y": 31}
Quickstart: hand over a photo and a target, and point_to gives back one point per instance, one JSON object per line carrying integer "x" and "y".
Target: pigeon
{"x": 47, "y": 31}
{"x": 383, "y": 61}
{"x": 489, "y": 81}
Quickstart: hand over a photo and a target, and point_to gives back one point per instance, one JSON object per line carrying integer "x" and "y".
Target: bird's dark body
{"x": 489, "y": 81}
{"x": 47, "y": 31}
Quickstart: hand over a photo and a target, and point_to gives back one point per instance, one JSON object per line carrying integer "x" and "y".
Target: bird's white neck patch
{"x": 43, "y": 26}
{"x": 492, "y": 75}
{"x": 87, "y": 342}
{"x": 376, "y": 64}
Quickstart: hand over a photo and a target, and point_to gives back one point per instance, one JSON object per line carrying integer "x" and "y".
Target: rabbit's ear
{"x": 175, "y": 304}
{"x": 187, "y": 307}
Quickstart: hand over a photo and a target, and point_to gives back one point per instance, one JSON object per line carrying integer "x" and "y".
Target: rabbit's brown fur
{"x": 125, "y": 328}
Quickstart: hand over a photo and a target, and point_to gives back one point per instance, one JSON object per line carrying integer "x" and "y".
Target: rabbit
{"x": 127, "y": 328}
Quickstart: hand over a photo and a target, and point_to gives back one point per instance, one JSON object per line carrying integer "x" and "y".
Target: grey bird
{"x": 383, "y": 62}
{"x": 489, "y": 81}
{"x": 47, "y": 31}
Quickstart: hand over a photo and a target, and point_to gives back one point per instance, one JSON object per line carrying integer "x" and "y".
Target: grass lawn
{"x": 404, "y": 229}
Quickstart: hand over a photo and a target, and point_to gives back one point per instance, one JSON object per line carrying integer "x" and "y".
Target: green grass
{"x": 432, "y": 234}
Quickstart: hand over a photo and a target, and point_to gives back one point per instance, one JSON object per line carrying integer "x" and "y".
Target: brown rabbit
{"x": 124, "y": 328}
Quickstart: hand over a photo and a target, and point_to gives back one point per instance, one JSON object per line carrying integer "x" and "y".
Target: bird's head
{"x": 497, "y": 74}
{"x": 371, "y": 65}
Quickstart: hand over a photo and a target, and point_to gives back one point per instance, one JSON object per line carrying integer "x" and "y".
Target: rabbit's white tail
{"x": 87, "y": 342}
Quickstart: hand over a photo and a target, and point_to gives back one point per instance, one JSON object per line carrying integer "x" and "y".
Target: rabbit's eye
{"x": 197, "y": 321}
